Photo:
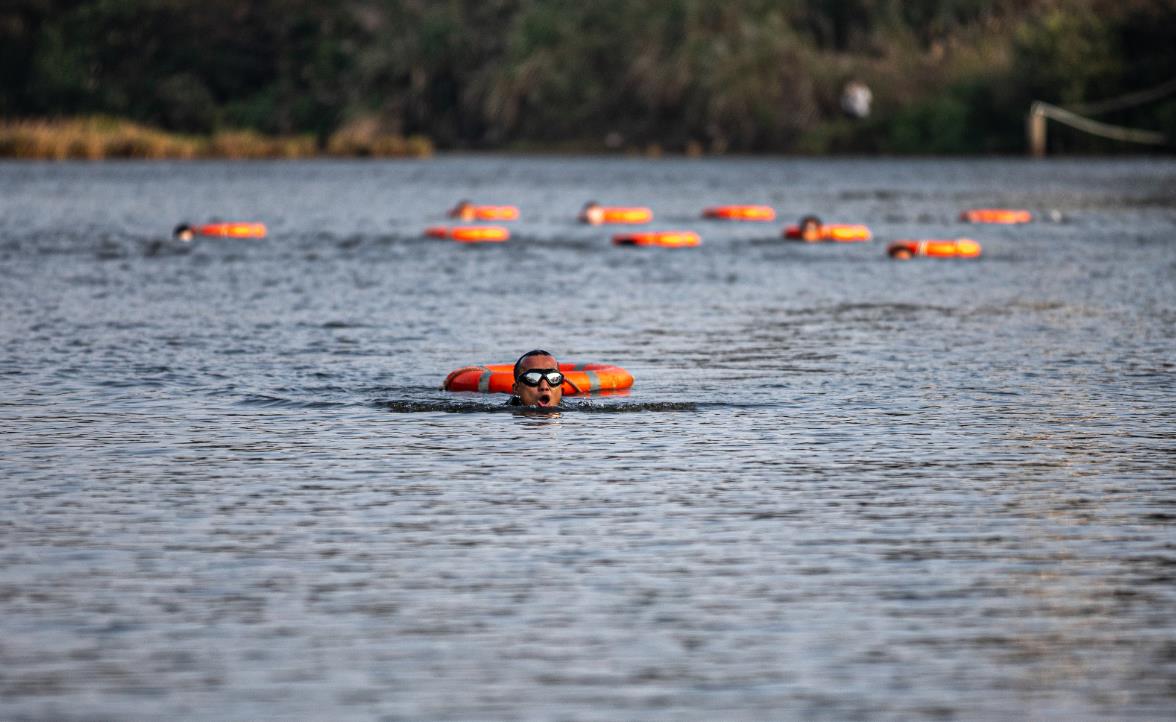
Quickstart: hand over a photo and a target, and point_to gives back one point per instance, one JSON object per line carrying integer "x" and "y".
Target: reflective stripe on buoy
{"x": 593, "y": 378}
{"x": 484, "y": 380}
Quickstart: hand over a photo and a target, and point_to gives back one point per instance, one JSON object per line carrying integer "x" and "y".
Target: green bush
{"x": 939, "y": 125}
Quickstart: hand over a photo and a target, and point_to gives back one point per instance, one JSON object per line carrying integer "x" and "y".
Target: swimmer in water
{"x": 537, "y": 381}
{"x": 901, "y": 253}
{"x": 184, "y": 232}
{"x": 810, "y": 229}
{"x": 592, "y": 213}
{"x": 464, "y": 210}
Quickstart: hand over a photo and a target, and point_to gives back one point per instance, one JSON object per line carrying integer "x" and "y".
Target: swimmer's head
{"x": 537, "y": 380}
{"x": 901, "y": 253}
{"x": 810, "y": 228}
{"x": 592, "y": 213}
{"x": 462, "y": 209}
{"x": 183, "y": 232}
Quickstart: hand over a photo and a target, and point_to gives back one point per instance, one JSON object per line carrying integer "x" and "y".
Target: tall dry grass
{"x": 99, "y": 138}
{"x": 91, "y": 139}
{"x": 251, "y": 145}
{"x": 365, "y": 136}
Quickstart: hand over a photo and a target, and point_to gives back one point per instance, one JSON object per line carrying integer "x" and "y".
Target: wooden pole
{"x": 1035, "y": 131}
{"x": 1040, "y": 111}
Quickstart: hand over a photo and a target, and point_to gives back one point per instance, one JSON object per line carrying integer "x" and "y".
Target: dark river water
{"x": 842, "y": 487}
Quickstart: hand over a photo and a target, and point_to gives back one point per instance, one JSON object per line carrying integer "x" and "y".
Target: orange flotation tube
{"x": 958, "y": 248}
{"x": 614, "y": 214}
{"x": 741, "y": 213}
{"x": 996, "y": 215}
{"x": 669, "y": 239}
{"x": 470, "y": 234}
{"x": 486, "y": 213}
{"x": 578, "y": 378}
{"x": 232, "y": 230}
{"x": 841, "y": 233}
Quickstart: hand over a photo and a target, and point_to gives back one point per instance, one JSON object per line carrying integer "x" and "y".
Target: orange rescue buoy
{"x": 996, "y": 215}
{"x": 470, "y": 234}
{"x": 485, "y": 213}
{"x": 958, "y": 248}
{"x": 841, "y": 233}
{"x": 232, "y": 230}
{"x": 741, "y": 213}
{"x": 615, "y": 214}
{"x": 584, "y": 378}
{"x": 669, "y": 239}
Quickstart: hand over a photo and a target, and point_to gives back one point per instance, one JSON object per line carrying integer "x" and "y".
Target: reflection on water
{"x": 479, "y": 404}
{"x": 841, "y": 487}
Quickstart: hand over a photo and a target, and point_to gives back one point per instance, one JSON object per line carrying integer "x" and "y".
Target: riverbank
{"x": 100, "y": 138}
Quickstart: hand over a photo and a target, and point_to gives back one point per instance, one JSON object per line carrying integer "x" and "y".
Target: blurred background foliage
{"x": 947, "y": 76}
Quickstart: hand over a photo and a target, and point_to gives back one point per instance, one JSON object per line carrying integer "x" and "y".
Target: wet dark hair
{"x": 529, "y": 354}
{"x": 180, "y": 229}
{"x": 807, "y": 219}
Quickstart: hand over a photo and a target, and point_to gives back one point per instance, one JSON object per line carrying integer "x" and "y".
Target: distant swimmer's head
{"x": 592, "y": 213}
{"x": 538, "y": 380}
{"x": 900, "y": 252}
{"x": 810, "y": 228}
{"x": 464, "y": 210}
{"x": 183, "y": 232}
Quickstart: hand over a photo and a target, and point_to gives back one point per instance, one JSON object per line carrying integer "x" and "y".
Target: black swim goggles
{"x": 534, "y": 376}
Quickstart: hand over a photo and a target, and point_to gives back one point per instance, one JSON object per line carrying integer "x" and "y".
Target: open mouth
{"x": 544, "y": 399}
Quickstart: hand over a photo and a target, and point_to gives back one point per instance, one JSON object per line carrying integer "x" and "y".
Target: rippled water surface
{"x": 841, "y": 487}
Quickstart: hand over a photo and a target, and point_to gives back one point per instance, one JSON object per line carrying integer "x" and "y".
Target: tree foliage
{"x": 743, "y": 75}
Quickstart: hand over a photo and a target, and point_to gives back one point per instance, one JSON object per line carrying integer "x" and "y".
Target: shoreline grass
{"x": 102, "y": 138}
